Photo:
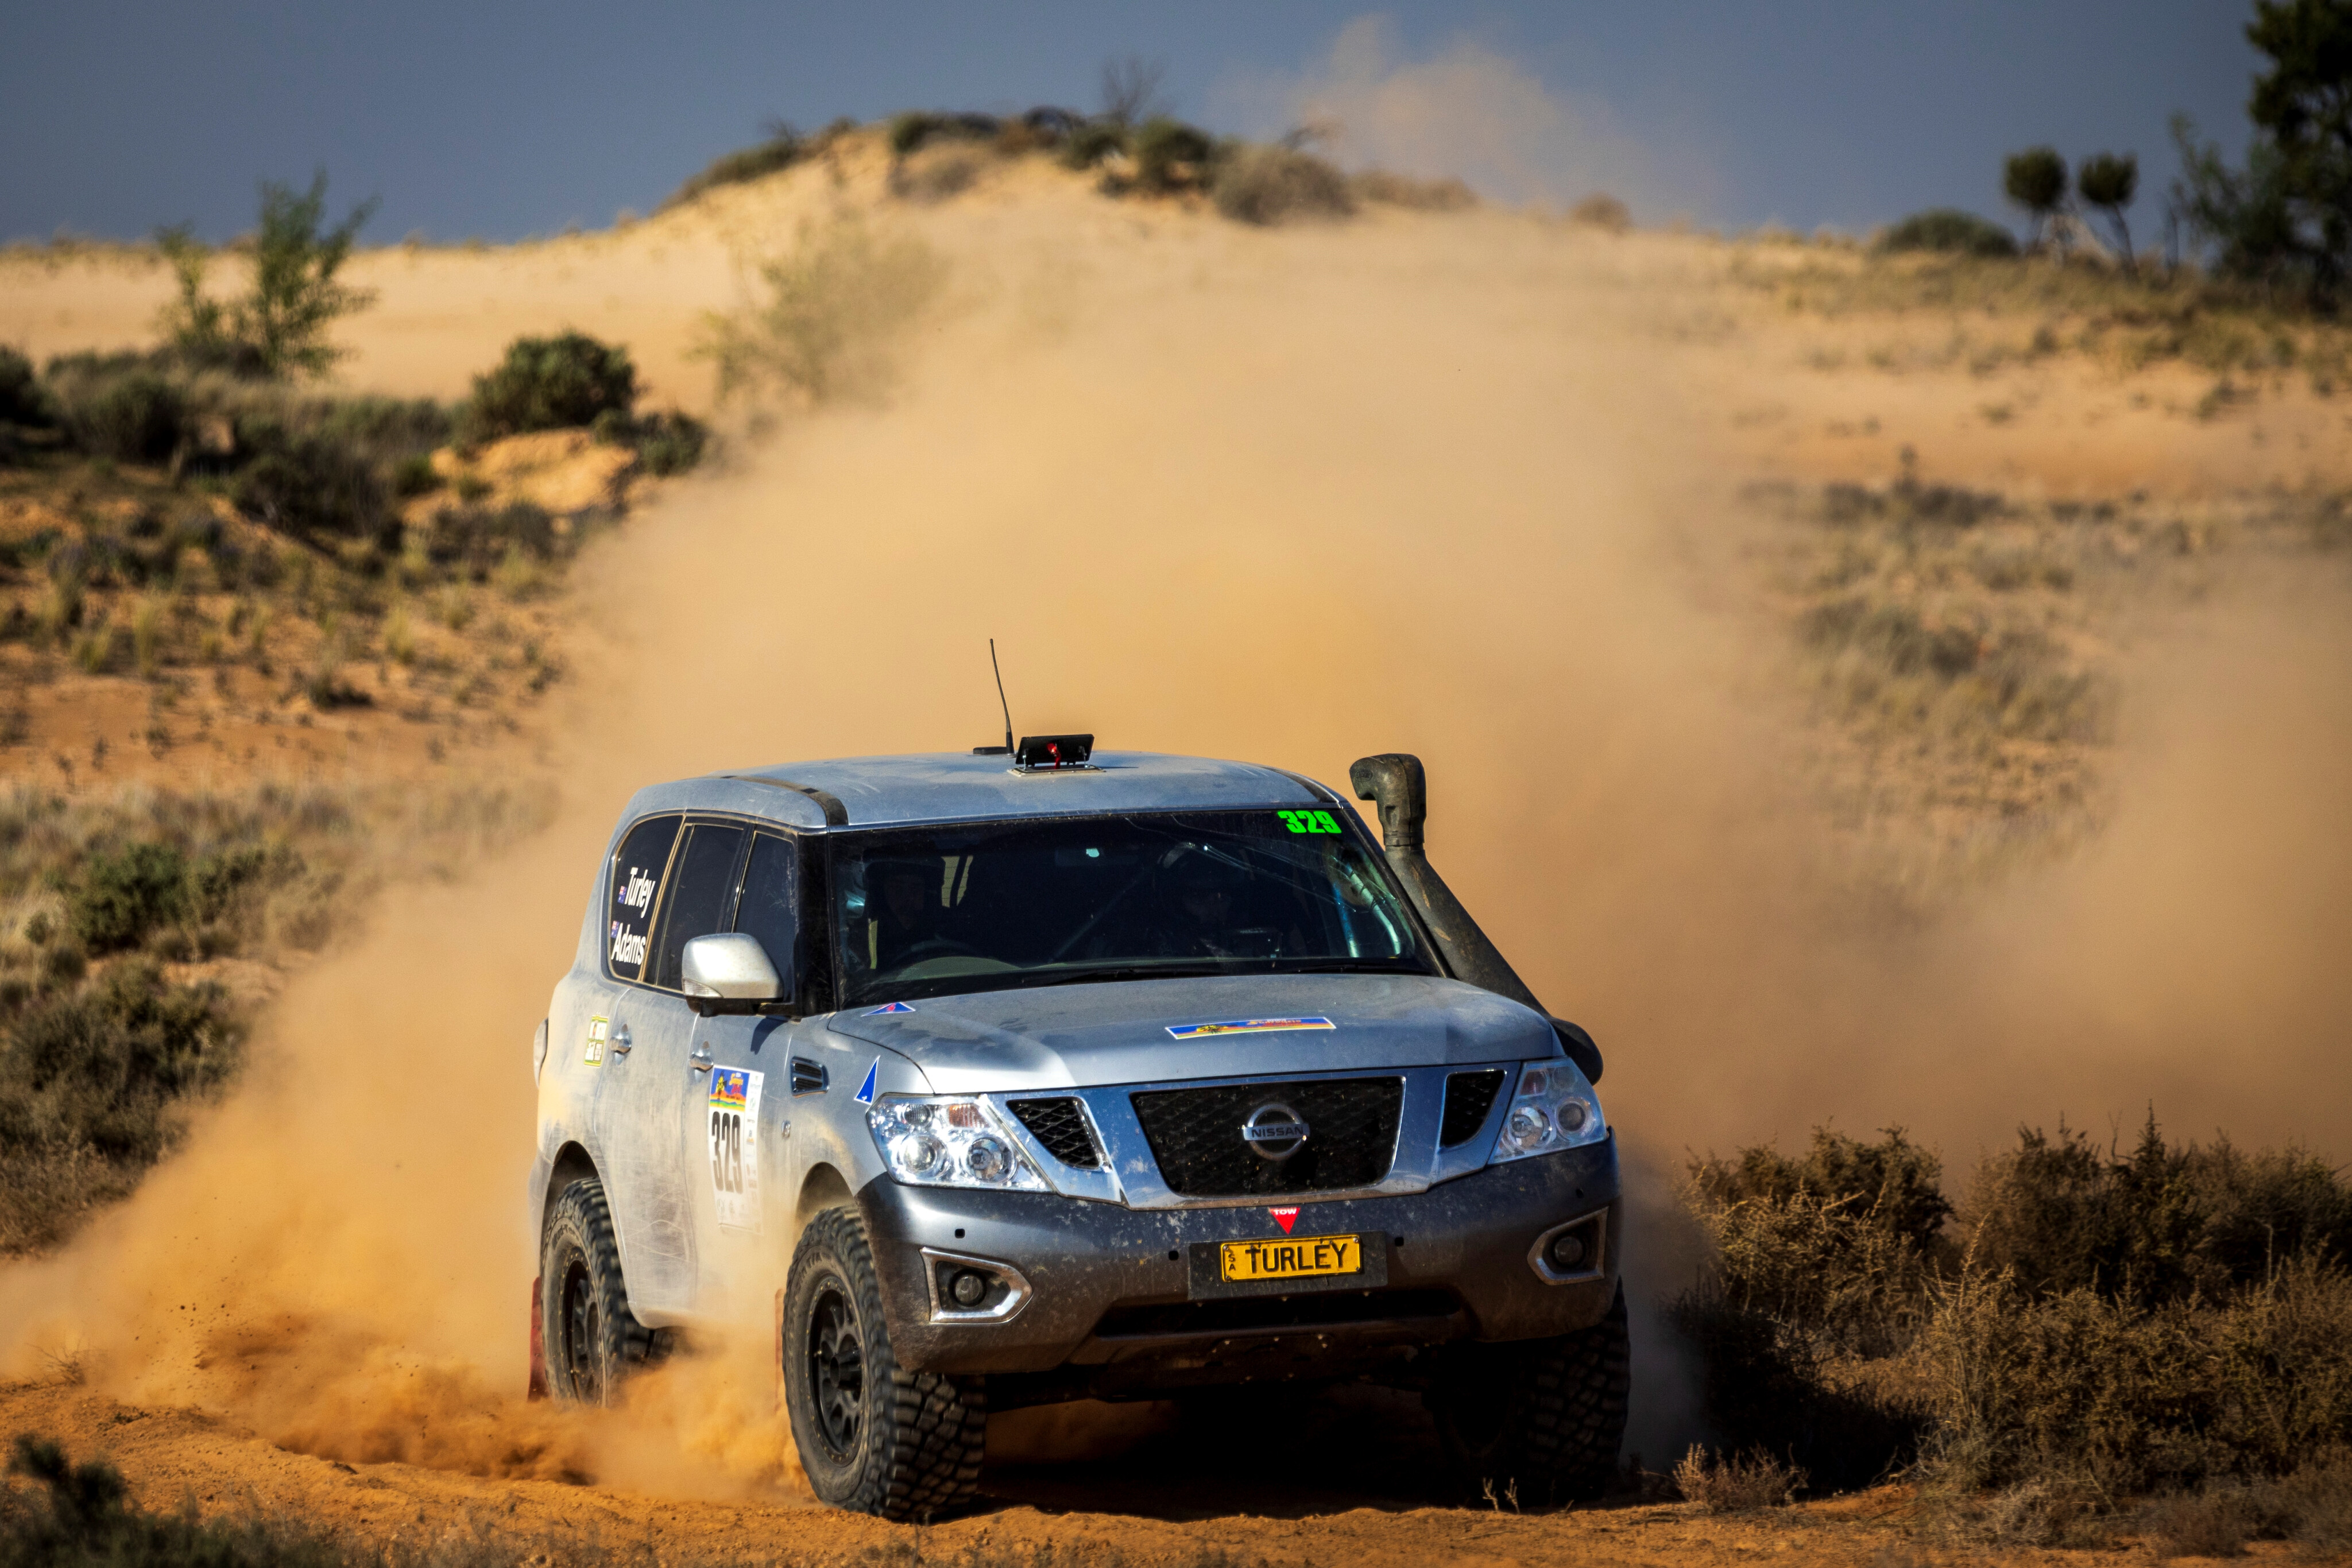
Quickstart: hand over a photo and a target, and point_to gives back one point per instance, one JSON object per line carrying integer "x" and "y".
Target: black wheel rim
{"x": 582, "y": 1324}
{"x": 836, "y": 1365}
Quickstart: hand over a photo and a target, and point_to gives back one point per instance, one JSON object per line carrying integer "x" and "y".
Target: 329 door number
{"x": 1308, "y": 822}
{"x": 726, "y": 1150}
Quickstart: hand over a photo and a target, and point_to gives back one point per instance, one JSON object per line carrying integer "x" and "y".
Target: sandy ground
{"x": 1259, "y": 1506}
{"x": 1454, "y": 485}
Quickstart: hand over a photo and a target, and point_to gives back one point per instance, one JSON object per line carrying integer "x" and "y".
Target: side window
{"x": 770, "y": 906}
{"x": 636, "y": 875}
{"x": 696, "y": 898}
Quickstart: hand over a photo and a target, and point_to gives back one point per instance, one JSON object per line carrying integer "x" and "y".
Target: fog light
{"x": 1568, "y": 1251}
{"x": 968, "y": 1289}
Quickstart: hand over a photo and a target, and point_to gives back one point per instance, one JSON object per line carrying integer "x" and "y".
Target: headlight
{"x": 948, "y": 1141}
{"x": 1552, "y": 1109}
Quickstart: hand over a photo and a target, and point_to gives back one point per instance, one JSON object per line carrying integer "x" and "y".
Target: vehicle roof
{"x": 943, "y": 787}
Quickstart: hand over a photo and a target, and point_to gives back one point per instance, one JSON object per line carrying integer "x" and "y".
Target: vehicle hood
{"x": 1085, "y": 1037}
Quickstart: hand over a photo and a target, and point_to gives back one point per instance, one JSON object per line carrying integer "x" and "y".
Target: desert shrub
{"x": 1949, "y": 231}
{"x": 475, "y": 541}
{"x": 1403, "y": 191}
{"x": 126, "y": 892}
{"x": 552, "y": 383}
{"x": 23, "y": 400}
{"x": 103, "y": 1069}
{"x": 1093, "y": 141}
{"x": 1273, "y": 184}
{"x": 1171, "y": 155}
{"x": 836, "y": 304}
{"x": 935, "y": 178}
{"x": 2162, "y": 1223}
{"x": 2099, "y": 1327}
{"x": 118, "y": 406}
{"x": 783, "y": 147}
{"x": 1736, "y": 1484}
{"x": 912, "y": 131}
{"x": 669, "y": 442}
{"x": 82, "y": 1515}
{"x": 308, "y": 482}
{"x": 1603, "y": 211}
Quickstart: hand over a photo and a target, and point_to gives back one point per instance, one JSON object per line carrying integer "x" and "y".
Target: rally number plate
{"x": 1290, "y": 1258}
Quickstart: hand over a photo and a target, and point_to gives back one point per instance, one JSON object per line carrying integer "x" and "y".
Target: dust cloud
{"x": 1411, "y": 485}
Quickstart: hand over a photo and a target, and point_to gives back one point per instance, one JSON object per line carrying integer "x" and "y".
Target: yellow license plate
{"x": 1290, "y": 1258}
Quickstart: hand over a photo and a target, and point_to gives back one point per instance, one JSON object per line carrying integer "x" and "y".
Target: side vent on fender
{"x": 1468, "y": 1097}
{"x": 1061, "y": 1126}
{"x": 808, "y": 1077}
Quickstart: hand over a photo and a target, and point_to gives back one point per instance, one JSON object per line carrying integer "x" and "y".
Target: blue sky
{"x": 501, "y": 120}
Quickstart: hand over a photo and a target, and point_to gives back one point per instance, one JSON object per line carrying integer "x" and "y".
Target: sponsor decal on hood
{"x": 1245, "y": 1025}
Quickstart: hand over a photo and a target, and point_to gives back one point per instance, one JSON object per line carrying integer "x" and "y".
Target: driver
{"x": 1199, "y": 908}
{"x": 902, "y": 908}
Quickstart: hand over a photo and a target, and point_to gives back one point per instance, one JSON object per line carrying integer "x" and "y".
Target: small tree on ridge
{"x": 2109, "y": 183}
{"x": 2035, "y": 180}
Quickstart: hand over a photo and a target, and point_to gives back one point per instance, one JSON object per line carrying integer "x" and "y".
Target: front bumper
{"x": 1114, "y": 1307}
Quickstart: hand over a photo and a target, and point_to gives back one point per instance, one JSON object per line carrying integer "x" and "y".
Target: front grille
{"x": 1061, "y": 1126}
{"x": 1308, "y": 1310}
{"x": 1468, "y": 1097}
{"x": 1196, "y": 1136}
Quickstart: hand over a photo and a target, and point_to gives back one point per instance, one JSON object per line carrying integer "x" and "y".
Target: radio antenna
{"x": 1000, "y": 696}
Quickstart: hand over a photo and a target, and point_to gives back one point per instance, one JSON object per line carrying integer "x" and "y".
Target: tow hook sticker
{"x": 890, "y": 1007}
{"x": 595, "y": 1055}
{"x": 1245, "y": 1025}
{"x": 1286, "y": 1218}
{"x": 734, "y": 1129}
{"x": 866, "y": 1090}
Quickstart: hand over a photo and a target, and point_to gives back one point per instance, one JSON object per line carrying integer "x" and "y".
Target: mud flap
{"x": 538, "y": 1389}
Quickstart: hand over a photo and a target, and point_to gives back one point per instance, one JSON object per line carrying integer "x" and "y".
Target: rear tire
{"x": 1546, "y": 1414}
{"x": 593, "y": 1339}
{"x": 873, "y": 1437}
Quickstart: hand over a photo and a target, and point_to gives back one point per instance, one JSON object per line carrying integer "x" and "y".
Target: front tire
{"x": 1548, "y": 1414}
{"x": 873, "y": 1437}
{"x": 593, "y": 1339}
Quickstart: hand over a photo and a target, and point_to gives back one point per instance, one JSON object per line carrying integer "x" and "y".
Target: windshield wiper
{"x": 1133, "y": 972}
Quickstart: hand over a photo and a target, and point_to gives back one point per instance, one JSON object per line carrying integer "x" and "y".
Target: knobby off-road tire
{"x": 1546, "y": 1414}
{"x": 593, "y": 1341}
{"x": 873, "y": 1437}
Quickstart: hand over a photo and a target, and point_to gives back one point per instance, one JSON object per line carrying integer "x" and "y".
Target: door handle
{"x": 701, "y": 1059}
{"x": 621, "y": 1042}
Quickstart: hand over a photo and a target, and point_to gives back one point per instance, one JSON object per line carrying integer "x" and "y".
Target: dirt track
{"x": 1261, "y": 1502}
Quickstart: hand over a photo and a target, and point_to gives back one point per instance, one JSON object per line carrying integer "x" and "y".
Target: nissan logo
{"x": 1274, "y": 1131}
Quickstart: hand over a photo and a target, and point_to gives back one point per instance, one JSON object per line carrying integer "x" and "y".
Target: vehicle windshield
{"x": 991, "y": 906}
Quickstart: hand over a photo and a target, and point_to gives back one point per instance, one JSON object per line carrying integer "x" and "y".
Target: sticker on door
{"x": 733, "y": 1126}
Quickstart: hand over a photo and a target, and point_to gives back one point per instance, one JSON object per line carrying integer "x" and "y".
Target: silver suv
{"x": 1002, "y": 1080}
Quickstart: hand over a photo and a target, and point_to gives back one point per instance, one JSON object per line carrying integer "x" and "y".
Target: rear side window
{"x": 697, "y": 897}
{"x": 637, "y": 868}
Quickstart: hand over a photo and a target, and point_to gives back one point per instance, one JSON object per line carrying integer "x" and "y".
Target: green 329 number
{"x": 1308, "y": 822}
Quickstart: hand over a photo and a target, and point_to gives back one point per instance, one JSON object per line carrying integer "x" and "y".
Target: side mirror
{"x": 728, "y": 972}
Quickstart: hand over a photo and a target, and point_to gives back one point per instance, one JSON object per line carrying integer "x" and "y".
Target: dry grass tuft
{"x": 1726, "y": 1484}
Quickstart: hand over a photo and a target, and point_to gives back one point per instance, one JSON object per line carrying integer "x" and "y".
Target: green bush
{"x": 836, "y": 304}
{"x": 1271, "y": 185}
{"x": 125, "y": 893}
{"x": 1171, "y": 155}
{"x": 783, "y": 148}
{"x": 670, "y": 442}
{"x": 1093, "y": 141}
{"x": 309, "y": 483}
{"x": 474, "y": 541}
{"x": 22, "y": 399}
{"x": 917, "y": 129}
{"x": 103, "y": 1069}
{"x": 552, "y": 383}
{"x": 1949, "y": 231}
{"x": 118, "y": 406}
